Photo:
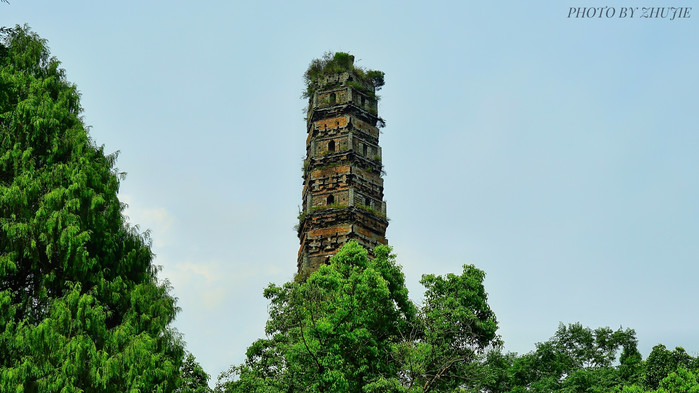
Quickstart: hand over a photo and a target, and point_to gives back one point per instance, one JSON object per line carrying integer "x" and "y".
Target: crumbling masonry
{"x": 343, "y": 187}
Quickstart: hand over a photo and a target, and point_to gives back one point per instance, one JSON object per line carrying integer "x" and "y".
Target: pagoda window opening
{"x": 331, "y": 146}
{"x": 330, "y": 200}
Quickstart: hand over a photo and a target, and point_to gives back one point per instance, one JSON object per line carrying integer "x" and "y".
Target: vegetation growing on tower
{"x": 333, "y": 63}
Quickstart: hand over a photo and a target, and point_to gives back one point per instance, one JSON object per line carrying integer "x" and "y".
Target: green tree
{"x": 679, "y": 381}
{"x": 332, "y": 332}
{"x": 493, "y": 371}
{"x": 578, "y": 359}
{"x": 456, "y": 324}
{"x": 81, "y": 309}
{"x": 350, "y": 327}
{"x": 193, "y": 377}
{"x": 661, "y": 362}
{"x": 631, "y": 365}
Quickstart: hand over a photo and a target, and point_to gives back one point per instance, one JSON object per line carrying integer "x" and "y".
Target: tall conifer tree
{"x": 80, "y": 306}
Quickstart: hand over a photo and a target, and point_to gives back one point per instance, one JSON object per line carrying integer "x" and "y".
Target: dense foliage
{"x": 579, "y": 359}
{"x": 350, "y": 327}
{"x": 193, "y": 377}
{"x": 80, "y": 306}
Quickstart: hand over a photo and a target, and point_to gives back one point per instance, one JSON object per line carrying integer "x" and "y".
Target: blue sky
{"x": 559, "y": 155}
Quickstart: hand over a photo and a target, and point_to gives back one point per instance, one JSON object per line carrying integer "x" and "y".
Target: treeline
{"x": 350, "y": 327}
{"x": 579, "y": 359}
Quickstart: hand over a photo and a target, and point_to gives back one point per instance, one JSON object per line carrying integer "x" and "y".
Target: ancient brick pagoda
{"x": 343, "y": 187}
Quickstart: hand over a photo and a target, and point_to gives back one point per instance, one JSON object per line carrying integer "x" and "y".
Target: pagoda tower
{"x": 342, "y": 172}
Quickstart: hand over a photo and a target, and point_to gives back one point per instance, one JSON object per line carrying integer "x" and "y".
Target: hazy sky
{"x": 559, "y": 155}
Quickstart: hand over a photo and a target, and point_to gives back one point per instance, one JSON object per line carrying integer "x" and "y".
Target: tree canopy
{"x": 350, "y": 327}
{"x": 81, "y": 309}
{"x": 580, "y": 359}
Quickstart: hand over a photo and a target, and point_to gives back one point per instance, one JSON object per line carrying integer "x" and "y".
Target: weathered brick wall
{"x": 328, "y": 230}
{"x": 321, "y": 146}
{"x": 329, "y": 179}
{"x": 365, "y": 189}
{"x": 364, "y": 101}
{"x": 333, "y": 97}
{"x": 366, "y": 148}
{"x": 334, "y": 122}
{"x": 365, "y": 127}
{"x": 320, "y": 200}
